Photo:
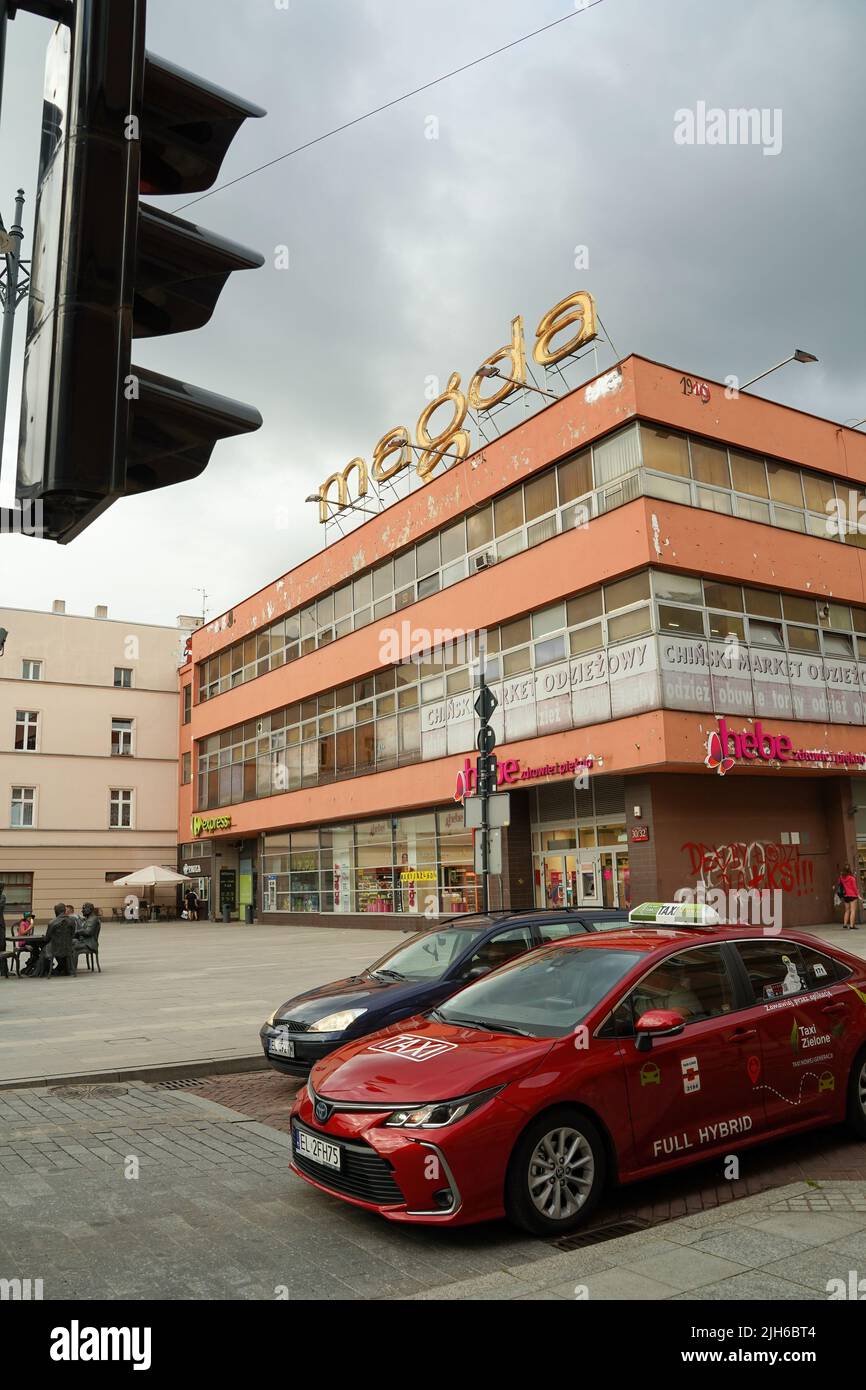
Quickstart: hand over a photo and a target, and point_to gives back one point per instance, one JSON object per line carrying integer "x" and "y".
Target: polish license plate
{"x": 282, "y": 1046}
{"x": 319, "y": 1150}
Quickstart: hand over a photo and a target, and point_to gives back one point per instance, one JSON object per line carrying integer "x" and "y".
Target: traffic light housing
{"x": 106, "y": 269}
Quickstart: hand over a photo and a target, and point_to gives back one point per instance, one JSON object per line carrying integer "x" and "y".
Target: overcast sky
{"x": 409, "y": 255}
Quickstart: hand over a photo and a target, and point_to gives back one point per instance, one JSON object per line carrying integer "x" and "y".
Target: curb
{"x": 165, "y": 1071}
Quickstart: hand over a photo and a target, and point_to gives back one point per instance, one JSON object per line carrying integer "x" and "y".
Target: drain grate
{"x": 599, "y": 1234}
{"x": 181, "y": 1083}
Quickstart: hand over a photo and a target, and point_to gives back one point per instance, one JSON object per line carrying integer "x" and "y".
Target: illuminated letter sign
{"x": 575, "y": 311}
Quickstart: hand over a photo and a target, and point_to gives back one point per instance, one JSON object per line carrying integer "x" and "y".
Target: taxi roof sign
{"x": 691, "y": 914}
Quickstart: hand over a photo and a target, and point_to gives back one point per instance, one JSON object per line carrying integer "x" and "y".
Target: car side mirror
{"x": 477, "y": 971}
{"x": 657, "y": 1023}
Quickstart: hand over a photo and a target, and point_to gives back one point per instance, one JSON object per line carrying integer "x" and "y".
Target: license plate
{"x": 282, "y": 1046}
{"x": 319, "y": 1150}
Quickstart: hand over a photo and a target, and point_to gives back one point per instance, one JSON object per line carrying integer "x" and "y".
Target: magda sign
{"x": 574, "y": 316}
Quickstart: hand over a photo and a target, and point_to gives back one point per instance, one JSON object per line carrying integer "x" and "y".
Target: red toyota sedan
{"x": 599, "y": 1058}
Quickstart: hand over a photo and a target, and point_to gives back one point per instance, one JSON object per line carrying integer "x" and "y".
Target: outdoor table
{"x": 25, "y": 942}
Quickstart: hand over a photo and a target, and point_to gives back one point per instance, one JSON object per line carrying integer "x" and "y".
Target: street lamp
{"x": 798, "y": 355}
{"x": 494, "y": 371}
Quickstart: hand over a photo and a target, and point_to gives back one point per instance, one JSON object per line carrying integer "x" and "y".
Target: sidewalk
{"x": 787, "y": 1244}
{"x": 170, "y": 994}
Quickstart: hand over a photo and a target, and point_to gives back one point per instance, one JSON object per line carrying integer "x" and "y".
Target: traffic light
{"x": 118, "y": 122}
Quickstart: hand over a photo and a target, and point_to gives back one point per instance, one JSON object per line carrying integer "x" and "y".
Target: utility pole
{"x": 486, "y": 773}
{"x": 14, "y": 281}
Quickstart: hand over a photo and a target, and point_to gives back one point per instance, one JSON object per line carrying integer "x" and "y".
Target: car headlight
{"x": 335, "y": 1023}
{"x": 440, "y": 1112}
{"x": 269, "y": 1022}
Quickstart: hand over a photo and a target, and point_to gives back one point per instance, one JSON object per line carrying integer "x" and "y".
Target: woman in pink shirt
{"x": 850, "y": 895}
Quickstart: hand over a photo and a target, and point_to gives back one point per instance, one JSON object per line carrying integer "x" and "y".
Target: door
{"x": 807, "y": 1043}
{"x": 559, "y": 880}
{"x": 588, "y": 879}
{"x": 691, "y": 1093}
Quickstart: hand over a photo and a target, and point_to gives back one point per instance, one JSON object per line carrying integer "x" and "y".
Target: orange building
{"x": 667, "y": 594}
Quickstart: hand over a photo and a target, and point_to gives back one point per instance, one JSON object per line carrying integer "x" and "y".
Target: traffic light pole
{"x": 11, "y": 296}
{"x": 486, "y": 772}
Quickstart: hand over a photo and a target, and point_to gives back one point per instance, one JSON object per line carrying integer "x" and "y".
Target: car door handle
{"x": 835, "y": 1009}
{"x": 741, "y": 1034}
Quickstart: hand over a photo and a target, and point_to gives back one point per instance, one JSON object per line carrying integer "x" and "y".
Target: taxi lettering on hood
{"x": 413, "y": 1048}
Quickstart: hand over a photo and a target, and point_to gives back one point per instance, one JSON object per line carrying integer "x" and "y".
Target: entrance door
{"x": 559, "y": 880}
{"x": 614, "y": 874}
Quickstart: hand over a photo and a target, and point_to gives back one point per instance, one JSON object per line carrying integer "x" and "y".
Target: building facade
{"x": 668, "y": 583}
{"x": 88, "y": 756}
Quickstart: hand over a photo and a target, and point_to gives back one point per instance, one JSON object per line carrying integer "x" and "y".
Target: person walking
{"x": 850, "y": 894}
{"x": 191, "y": 901}
{"x": 4, "y": 969}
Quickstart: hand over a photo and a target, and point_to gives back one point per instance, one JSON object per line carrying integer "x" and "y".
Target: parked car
{"x": 416, "y": 975}
{"x": 611, "y": 1056}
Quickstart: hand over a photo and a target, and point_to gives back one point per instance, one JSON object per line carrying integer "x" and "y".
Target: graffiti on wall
{"x": 751, "y": 864}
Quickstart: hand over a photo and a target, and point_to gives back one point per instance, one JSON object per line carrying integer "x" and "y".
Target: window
{"x": 728, "y": 596}
{"x": 779, "y": 968}
{"x": 695, "y": 984}
{"x": 575, "y": 477}
{"x": 626, "y": 591}
{"x": 763, "y": 604}
{"x": 26, "y": 730}
{"x": 668, "y": 453}
{"x": 615, "y": 457}
{"x": 555, "y": 931}
{"x": 123, "y": 677}
{"x": 496, "y": 952}
{"x": 785, "y": 484}
{"x": 680, "y": 620}
{"x": 710, "y": 463}
{"x": 722, "y": 625}
{"x": 120, "y": 809}
{"x": 31, "y": 670}
{"x": 121, "y": 738}
{"x": 187, "y": 703}
{"x": 186, "y": 763}
{"x": 749, "y": 474}
{"x": 676, "y": 588}
{"x": 23, "y": 815}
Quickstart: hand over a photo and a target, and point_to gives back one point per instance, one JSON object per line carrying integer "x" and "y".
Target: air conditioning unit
{"x": 482, "y": 561}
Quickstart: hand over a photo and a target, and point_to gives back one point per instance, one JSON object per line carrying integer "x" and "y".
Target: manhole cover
{"x": 599, "y": 1234}
{"x": 182, "y": 1083}
{"x": 96, "y": 1092}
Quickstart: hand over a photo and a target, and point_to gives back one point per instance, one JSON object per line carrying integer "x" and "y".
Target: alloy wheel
{"x": 562, "y": 1170}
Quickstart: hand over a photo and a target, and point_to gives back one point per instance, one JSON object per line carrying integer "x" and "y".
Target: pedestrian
{"x": 4, "y": 969}
{"x": 847, "y": 890}
{"x": 191, "y": 903}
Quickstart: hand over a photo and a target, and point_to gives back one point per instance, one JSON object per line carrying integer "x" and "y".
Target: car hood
{"x": 419, "y": 1060}
{"x": 355, "y": 992}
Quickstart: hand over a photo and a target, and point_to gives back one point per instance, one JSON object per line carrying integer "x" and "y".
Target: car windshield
{"x": 545, "y": 994}
{"x": 428, "y": 955}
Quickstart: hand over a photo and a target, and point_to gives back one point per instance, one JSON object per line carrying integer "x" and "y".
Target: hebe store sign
{"x": 727, "y": 747}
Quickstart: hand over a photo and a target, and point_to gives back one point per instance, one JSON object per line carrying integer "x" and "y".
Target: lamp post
{"x": 798, "y": 355}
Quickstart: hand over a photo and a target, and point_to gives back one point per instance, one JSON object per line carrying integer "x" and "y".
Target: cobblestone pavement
{"x": 214, "y": 1212}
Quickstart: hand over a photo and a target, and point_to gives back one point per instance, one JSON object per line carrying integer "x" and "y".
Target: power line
{"x": 377, "y": 110}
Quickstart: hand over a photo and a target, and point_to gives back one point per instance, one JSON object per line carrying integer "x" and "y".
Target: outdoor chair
{"x": 89, "y": 946}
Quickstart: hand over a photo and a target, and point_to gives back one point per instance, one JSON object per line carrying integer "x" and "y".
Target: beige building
{"x": 88, "y": 756}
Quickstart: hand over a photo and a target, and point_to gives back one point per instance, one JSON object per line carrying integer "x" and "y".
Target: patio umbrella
{"x": 150, "y": 877}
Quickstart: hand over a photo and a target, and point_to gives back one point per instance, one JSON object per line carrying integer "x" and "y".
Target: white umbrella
{"x": 150, "y": 877}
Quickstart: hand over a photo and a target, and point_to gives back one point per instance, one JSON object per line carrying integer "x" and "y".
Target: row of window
{"x": 23, "y": 813}
{"x": 34, "y": 671}
{"x": 376, "y": 723}
{"x": 638, "y": 458}
{"x": 406, "y": 864}
{"x": 27, "y": 725}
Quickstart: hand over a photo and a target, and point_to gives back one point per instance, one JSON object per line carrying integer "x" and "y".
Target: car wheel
{"x": 856, "y": 1115}
{"x": 556, "y": 1174}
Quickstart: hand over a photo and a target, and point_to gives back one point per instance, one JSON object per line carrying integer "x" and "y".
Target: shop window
{"x": 584, "y": 607}
{"x": 710, "y": 463}
{"x": 677, "y": 588}
{"x": 540, "y": 495}
{"x": 724, "y": 625}
{"x": 685, "y": 620}
{"x": 665, "y": 452}
{"x": 626, "y": 591}
{"x": 575, "y": 477}
{"x": 762, "y": 603}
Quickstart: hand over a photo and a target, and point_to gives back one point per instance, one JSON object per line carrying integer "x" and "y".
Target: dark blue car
{"x": 413, "y": 977}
